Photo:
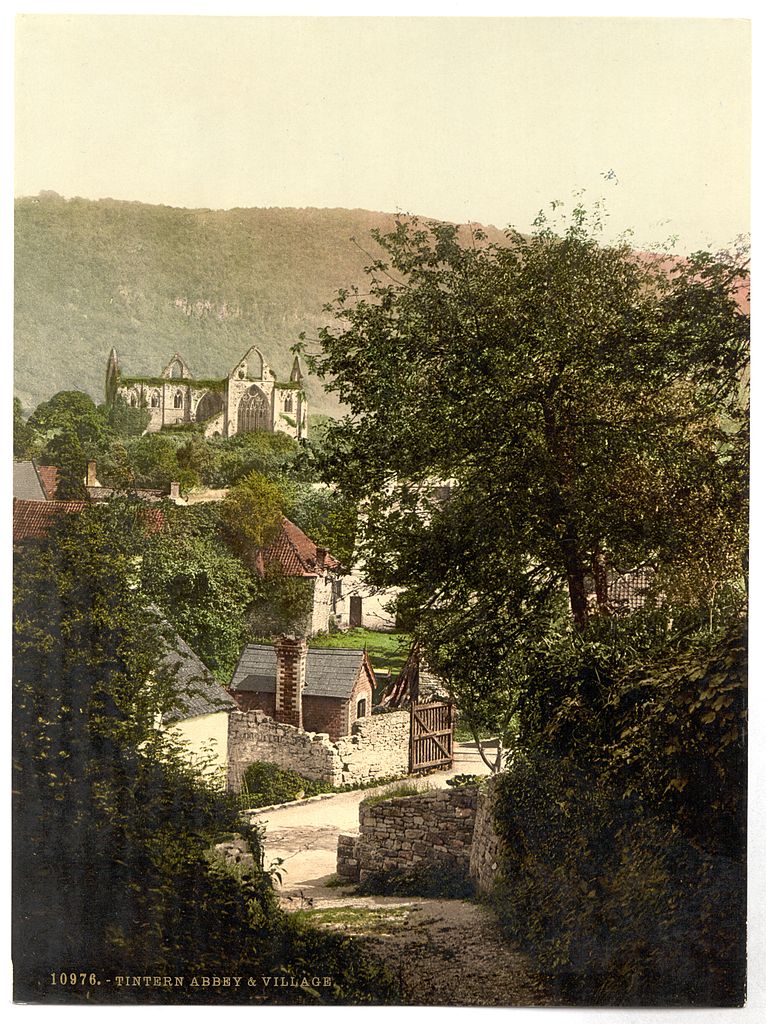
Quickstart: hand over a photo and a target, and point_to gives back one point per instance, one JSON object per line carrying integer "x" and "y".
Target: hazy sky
{"x": 461, "y": 119}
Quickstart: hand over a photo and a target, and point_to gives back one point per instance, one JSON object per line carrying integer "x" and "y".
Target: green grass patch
{"x": 464, "y": 735}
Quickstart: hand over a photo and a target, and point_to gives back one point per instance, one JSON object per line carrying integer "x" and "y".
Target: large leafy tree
{"x": 251, "y": 514}
{"x": 204, "y": 590}
{"x": 583, "y": 400}
{"x": 73, "y": 431}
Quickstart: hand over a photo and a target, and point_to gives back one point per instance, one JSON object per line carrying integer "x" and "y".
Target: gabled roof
{"x": 296, "y": 553}
{"x": 27, "y": 483}
{"x": 32, "y": 520}
{"x": 330, "y": 672}
{"x": 198, "y": 693}
{"x": 49, "y": 478}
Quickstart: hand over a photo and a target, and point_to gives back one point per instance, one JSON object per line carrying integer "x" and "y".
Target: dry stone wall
{"x": 447, "y": 830}
{"x": 405, "y": 833}
{"x": 377, "y": 747}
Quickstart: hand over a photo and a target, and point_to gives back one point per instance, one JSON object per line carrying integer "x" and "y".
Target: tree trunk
{"x": 559, "y": 517}
{"x": 578, "y": 597}
{"x": 600, "y": 581}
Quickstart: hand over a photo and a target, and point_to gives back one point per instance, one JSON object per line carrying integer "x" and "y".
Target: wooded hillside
{"x": 152, "y": 280}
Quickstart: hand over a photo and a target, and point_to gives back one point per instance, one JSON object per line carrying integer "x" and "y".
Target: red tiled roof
{"x": 49, "y": 478}
{"x": 295, "y": 553}
{"x": 33, "y": 519}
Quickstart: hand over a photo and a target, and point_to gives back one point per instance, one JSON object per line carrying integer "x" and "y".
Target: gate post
{"x": 412, "y": 738}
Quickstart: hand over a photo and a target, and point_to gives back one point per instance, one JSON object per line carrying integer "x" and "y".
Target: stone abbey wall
{"x": 378, "y": 746}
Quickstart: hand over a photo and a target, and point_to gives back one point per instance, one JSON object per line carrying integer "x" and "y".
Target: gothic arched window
{"x": 176, "y": 370}
{"x": 178, "y": 401}
{"x": 289, "y": 403}
{"x": 253, "y": 412}
{"x": 155, "y": 400}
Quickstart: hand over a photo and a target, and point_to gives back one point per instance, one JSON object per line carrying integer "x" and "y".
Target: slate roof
{"x": 296, "y": 553}
{"x": 197, "y": 690}
{"x": 33, "y": 519}
{"x": 329, "y": 672}
{"x": 26, "y": 482}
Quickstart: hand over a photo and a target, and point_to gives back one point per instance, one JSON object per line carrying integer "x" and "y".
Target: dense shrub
{"x": 625, "y": 841}
{"x": 265, "y": 783}
{"x": 616, "y": 905}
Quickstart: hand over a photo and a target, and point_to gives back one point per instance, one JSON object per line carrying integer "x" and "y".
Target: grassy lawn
{"x": 386, "y": 650}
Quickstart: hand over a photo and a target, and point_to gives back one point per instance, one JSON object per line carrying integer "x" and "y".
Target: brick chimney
{"x": 90, "y": 479}
{"x": 321, "y": 555}
{"x": 291, "y": 679}
{"x": 175, "y": 490}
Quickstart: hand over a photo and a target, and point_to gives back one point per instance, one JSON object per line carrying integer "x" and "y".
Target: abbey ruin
{"x": 249, "y": 398}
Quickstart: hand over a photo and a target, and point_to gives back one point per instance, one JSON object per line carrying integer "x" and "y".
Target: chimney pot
{"x": 175, "y": 490}
{"x": 90, "y": 479}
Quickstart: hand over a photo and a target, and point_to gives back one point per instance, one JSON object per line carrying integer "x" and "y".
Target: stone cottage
{"x": 296, "y": 555}
{"x": 318, "y": 690}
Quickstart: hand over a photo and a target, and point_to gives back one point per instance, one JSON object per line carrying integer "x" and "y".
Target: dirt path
{"x": 445, "y": 952}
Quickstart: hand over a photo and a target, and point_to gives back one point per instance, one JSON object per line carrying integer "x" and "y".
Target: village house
{"x": 295, "y": 555}
{"x": 318, "y": 689}
{"x": 97, "y": 492}
{"x": 199, "y": 718}
{"x": 249, "y": 398}
{"x": 357, "y": 604}
{"x": 34, "y": 483}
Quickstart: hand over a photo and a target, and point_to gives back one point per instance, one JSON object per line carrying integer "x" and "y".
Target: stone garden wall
{"x": 377, "y": 747}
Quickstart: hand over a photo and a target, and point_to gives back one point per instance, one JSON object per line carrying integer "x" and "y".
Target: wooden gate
{"x": 430, "y": 736}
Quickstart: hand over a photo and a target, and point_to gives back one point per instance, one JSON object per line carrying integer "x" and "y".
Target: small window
{"x": 289, "y": 403}
{"x": 361, "y": 708}
{"x": 133, "y": 401}
{"x": 155, "y": 400}
{"x": 178, "y": 401}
